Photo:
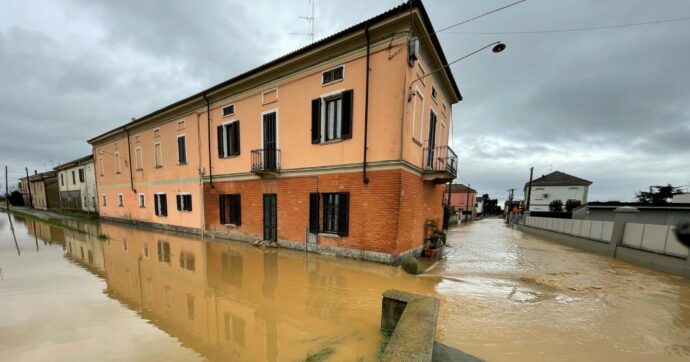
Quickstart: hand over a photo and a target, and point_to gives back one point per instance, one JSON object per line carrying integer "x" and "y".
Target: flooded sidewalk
{"x": 151, "y": 295}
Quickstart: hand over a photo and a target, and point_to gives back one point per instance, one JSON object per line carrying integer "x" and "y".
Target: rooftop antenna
{"x": 310, "y": 19}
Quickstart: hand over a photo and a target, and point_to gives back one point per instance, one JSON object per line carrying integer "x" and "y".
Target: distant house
{"x": 462, "y": 198}
{"x": 44, "y": 190}
{"x": 24, "y": 189}
{"x": 556, "y": 186}
{"x": 77, "y": 184}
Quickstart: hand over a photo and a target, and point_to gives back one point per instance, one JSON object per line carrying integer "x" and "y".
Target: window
{"x": 187, "y": 261}
{"x": 164, "y": 252}
{"x": 418, "y": 116}
{"x": 229, "y": 139}
{"x": 117, "y": 162}
{"x": 182, "y": 150}
{"x": 100, "y": 165}
{"x": 228, "y": 110}
{"x": 230, "y": 209}
{"x": 157, "y": 155}
{"x": 104, "y": 200}
{"x": 161, "y": 203}
{"x": 137, "y": 139}
{"x": 332, "y": 75}
{"x": 142, "y": 201}
{"x": 124, "y": 244}
{"x": 74, "y": 178}
{"x": 81, "y": 175}
{"x": 156, "y": 133}
{"x": 336, "y": 209}
{"x": 434, "y": 93}
{"x": 138, "y": 159}
{"x": 184, "y": 202}
{"x": 62, "y": 179}
{"x": 190, "y": 307}
{"x": 146, "y": 250}
{"x": 180, "y": 125}
{"x": 120, "y": 200}
{"x": 331, "y": 117}
{"x": 269, "y": 96}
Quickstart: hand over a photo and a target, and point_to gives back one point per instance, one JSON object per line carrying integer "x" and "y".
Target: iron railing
{"x": 266, "y": 160}
{"x": 441, "y": 159}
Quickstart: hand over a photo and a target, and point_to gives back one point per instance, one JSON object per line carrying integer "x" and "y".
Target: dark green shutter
{"x": 347, "y": 110}
{"x": 316, "y": 121}
{"x": 220, "y": 141}
{"x": 221, "y": 204}
{"x": 314, "y": 212}
{"x": 343, "y": 214}
{"x": 164, "y": 204}
{"x": 236, "y": 138}
{"x": 188, "y": 202}
{"x": 238, "y": 210}
{"x": 179, "y": 202}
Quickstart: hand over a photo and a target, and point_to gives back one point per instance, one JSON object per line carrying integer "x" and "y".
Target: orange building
{"x": 309, "y": 150}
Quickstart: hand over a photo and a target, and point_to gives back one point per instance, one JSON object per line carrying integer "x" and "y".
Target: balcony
{"x": 440, "y": 164}
{"x": 266, "y": 161}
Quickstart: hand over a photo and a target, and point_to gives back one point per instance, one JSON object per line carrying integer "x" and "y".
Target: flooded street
{"x": 150, "y": 295}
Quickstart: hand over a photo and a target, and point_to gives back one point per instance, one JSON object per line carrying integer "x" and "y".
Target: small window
{"x": 269, "y": 96}
{"x": 434, "y": 93}
{"x": 228, "y": 139}
{"x": 445, "y": 108}
{"x": 139, "y": 159}
{"x": 332, "y": 117}
{"x": 187, "y": 261}
{"x": 62, "y": 179}
{"x": 184, "y": 202}
{"x": 161, "y": 204}
{"x": 336, "y": 209}
{"x": 164, "y": 252}
{"x": 117, "y": 162}
{"x": 142, "y": 201}
{"x": 180, "y": 125}
{"x": 146, "y": 250}
{"x": 157, "y": 155}
{"x": 120, "y": 200}
{"x": 182, "y": 150}
{"x": 156, "y": 133}
{"x": 74, "y": 178}
{"x": 81, "y": 175}
{"x": 230, "y": 209}
{"x": 228, "y": 110}
{"x": 104, "y": 200}
{"x": 332, "y": 75}
{"x": 100, "y": 165}
{"x": 137, "y": 139}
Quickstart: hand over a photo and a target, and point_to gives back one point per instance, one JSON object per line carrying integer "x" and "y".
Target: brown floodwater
{"x": 149, "y": 295}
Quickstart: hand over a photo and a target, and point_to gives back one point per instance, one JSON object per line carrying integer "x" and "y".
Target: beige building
{"x": 77, "y": 184}
{"x": 44, "y": 190}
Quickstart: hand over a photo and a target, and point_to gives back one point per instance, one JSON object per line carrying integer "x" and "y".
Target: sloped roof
{"x": 460, "y": 188}
{"x": 42, "y": 176}
{"x": 558, "y": 178}
{"x": 74, "y": 163}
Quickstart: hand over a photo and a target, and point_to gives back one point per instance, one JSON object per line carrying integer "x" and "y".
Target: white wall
{"x": 89, "y": 198}
{"x": 681, "y": 198}
{"x": 539, "y": 202}
{"x": 595, "y": 230}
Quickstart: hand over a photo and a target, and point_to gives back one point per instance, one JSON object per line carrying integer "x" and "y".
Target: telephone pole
{"x": 468, "y": 200}
{"x": 509, "y": 209}
{"x": 7, "y": 191}
{"x": 28, "y": 185}
{"x": 529, "y": 188}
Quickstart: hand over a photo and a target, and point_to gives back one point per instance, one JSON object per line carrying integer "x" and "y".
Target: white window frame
{"x": 104, "y": 200}
{"x": 142, "y": 200}
{"x": 155, "y": 164}
{"x": 419, "y": 93}
{"x": 333, "y": 81}
{"x": 157, "y": 200}
{"x": 431, "y": 109}
{"x": 178, "y": 150}
{"x": 222, "y": 110}
{"x": 263, "y": 95}
{"x": 226, "y": 151}
{"x": 182, "y": 204}
{"x": 120, "y": 200}
{"x": 261, "y": 119}
{"x": 324, "y": 98}
{"x": 139, "y": 158}
{"x": 118, "y": 169}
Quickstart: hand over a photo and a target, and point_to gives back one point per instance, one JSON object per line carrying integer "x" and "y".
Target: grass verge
{"x": 386, "y": 333}
{"x": 76, "y": 214}
{"x": 55, "y": 223}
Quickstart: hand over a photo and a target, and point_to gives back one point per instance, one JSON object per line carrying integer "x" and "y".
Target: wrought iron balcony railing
{"x": 441, "y": 159}
{"x": 265, "y": 160}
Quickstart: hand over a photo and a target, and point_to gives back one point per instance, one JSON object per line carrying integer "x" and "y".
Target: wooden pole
{"x": 7, "y": 191}
{"x": 28, "y": 185}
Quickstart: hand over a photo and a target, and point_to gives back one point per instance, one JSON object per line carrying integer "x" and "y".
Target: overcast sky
{"x": 611, "y": 106}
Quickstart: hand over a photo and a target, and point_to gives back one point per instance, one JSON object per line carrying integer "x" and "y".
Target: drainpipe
{"x": 208, "y": 117}
{"x": 129, "y": 155}
{"x": 365, "y": 178}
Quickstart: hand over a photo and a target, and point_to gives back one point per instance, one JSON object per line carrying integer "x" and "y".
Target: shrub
{"x": 556, "y": 206}
{"x": 571, "y": 204}
{"x": 16, "y": 198}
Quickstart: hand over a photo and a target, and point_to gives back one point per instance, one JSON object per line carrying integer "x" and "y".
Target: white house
{"x": 77, "y": 184}
{"x": 556, "y": 186}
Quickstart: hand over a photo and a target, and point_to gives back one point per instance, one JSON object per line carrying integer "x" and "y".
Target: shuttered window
{"x": 164, "y": 252}
{"x": 181, "y": 150}
{"x": 230, "y": 209}
{"x": 332, "y": 117}
{"x": 336, "y": 213}
{"x": 161, "y": 204}
{"x": 314, "y": 203}
{"x": 228, "y": 139}
{"x": 184, "y": 202}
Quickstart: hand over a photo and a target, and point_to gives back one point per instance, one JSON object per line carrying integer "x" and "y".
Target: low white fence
{"x": 656, "y": 238}
{"x": 588, "y": 229}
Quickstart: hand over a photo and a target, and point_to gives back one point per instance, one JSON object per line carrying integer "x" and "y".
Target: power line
{"x": 615, "y": 26}
{"x": 491, "y": 168}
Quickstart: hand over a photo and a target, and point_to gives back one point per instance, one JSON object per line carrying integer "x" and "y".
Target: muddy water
{"x": 147, "y": 295}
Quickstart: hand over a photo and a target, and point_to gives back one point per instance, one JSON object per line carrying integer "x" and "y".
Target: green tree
{"x": 658, "y": 194}
{"x": 556, "y": 206}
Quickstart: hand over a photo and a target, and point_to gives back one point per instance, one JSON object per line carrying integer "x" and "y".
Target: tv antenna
{"x": 309, "y": 19}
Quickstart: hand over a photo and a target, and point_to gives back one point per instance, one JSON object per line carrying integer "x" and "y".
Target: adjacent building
{"x": 664, "y": 214}
{"x": 24, "y": 189}
{"x": 463, "y": 200}
{"x": 44, "y": 190}
{"x": 556, "y": 186}
{"x": 310, "y": 151}
{"x": 77, "y": 184}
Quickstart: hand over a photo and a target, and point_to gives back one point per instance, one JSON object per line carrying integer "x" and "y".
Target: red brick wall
{"x": 373, "y": 220}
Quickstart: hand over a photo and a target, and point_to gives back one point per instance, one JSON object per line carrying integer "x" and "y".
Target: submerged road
{"x": 510, "y": 295}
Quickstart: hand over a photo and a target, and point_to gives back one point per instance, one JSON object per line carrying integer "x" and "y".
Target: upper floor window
{"x": 228, "y": 110}
{"x": 157, "y": 155}
{"x": 161, "y": 204}
{"x": 74, "y": 178}
{"x": 434, "y": 93}
{"x": 333, "y": 75}
{"x": 117, "y": 162}
{"x": 100, "y": 165}
{"x": 105, "y": 201}
{"x": 444, "y": 108}
{"x": 269, "y": 96}
{"x": 142, "y": 201}
{"x": 184, "y": 202}
{"x": 156, "y": 132}
{"x": 181, "y": 149}
{"x": 138, "y": 158}
{"x": 229, "y": 139}
{"x": 62, "y": 179}
{"x": 180, "y": 125}
{"x": 81, "y": 175}
{"x": 331, "y": 117}
{"x": 137, "y": 139}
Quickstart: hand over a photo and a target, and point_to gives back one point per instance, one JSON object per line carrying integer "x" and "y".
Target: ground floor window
{"x": 335, "y": 211}
{"x": 161, "y": 203}
{"x": 184, "y": 202}
{"x": 164, "y": 252}
{"x": 230, "y": 209}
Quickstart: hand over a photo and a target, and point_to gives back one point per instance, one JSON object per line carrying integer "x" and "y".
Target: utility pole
{"x": 28, "y": 185}
{"x": 7, "y": 191}
{"x": 529, "y": 188}
{"x": 509, "y": 209}
{"x": 468, "y": 200}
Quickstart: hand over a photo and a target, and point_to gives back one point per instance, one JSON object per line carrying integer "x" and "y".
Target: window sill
{"x": 142, "y": 207}
{"x": 182, "y": 163}
{"x": 329, "y": 142}
{"x": 231, "y": 225}
{"x": 159, "y": 166}
{"x": 269, "y": 102}
{"x": 184, "y": 210}
{"x": 331, "y": 82}
{"x": 229, "y": 115}
{"x": 229, "y": 156}
{"x": 329, "y": 235}
{"x": 139, "y": 169}
{"x": 117, "y": 173}
{"x": 418, "y": 142}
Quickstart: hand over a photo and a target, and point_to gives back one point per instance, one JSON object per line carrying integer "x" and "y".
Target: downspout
{"x": 365, "y": 178}
{"x": 208, "y": 117}
{"x": 129, "y": 155}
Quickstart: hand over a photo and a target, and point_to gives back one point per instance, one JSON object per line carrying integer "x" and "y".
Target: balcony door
{"x": 432, "y": 140}
{"x": 270, "y": 138}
